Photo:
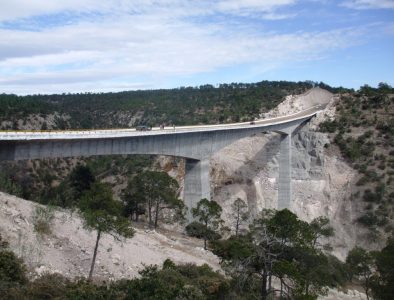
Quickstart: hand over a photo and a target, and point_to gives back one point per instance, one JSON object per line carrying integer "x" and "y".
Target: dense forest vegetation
{"x": 45, "y": 181}
{"x": 187, "y": 105}
{"x": 363, "y": 130}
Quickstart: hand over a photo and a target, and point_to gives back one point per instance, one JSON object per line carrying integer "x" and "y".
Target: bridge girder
{"x": 195, "y": 147}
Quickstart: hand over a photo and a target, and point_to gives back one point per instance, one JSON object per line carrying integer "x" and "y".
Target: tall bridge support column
{"x": 197, "y": 184}
{"x": 284, "y": 181}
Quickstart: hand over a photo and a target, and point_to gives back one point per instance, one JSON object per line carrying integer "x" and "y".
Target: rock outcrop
{"x": 322, "y": 181}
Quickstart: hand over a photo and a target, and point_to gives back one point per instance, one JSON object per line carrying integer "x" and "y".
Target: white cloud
{"x": 267, "y": 9}
{"x": 19, "y": 9}
{"x": 369, "y": 4}
{"x": 139, "y": 43}
{"x": 276, "y": 16}
{"x": 266, "y": 5}
{"x": 15, "y": 9}
{"x": 87, "y": 53}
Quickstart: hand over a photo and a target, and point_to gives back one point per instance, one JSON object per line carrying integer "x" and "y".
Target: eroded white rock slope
{"x": 322, "y": 181}
{"x": 68, "y": 250}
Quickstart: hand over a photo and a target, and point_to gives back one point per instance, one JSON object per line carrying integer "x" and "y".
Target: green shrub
{"x": 362, "y": 181}
{"x": 176, "y": 282}
{"x": 328, "y": 126}
{"x": 352, "y": 149}
{"x": 198, "y": 230}
{"x": 48, "y": 286}
{"x": 390, "y": 197}
{"x": 169, "y": 264}
{"x": 8, "y": 185}
{"x": 42, "y": 219}
{"x": 337, "y": 271}
{"x": 12, "y": 269}
{"x": 380, "y": 189}
{"x": 86, "y": 290}
{"x": 367, "y": 149}
{"x": 232, "y": 248}
{"x": 383, "y": 221}
{"x": 373, "y": 176}
{"x": 370, "y": 196}
{"x": 3, "y": 243}
{"x": 368, "y": 220}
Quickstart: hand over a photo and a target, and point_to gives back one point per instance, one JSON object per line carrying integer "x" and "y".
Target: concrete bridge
{"x": 194, "y": 143}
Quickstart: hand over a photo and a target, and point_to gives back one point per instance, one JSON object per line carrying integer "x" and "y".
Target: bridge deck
{"x": 108, "y": 133}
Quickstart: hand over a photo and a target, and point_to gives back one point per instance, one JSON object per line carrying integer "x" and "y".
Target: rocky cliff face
{"x": 322, "y": 181}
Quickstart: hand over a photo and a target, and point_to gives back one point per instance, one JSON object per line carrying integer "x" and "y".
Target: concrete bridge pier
{"x": 197, "y": 183}
{"x": 197, "y": 177}
{"x": 284, "y": 178}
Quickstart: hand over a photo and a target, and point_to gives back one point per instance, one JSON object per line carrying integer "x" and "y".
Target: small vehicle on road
{"x": 252, "y": 123}
{"x": 143, "y": 128}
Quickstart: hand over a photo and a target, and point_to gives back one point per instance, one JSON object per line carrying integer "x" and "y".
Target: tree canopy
{"x": 240, "y": 214}
{"x": 80, "y": 179}
{"x": 103, "y": 214}
{"x": 158, "y": 191}
{"x": 281, "y": 246}
{"x": 208, "y": 218}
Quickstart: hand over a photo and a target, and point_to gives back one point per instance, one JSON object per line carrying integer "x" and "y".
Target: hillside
{"x": 356, "y": 127}
{"x": 326, "y": 182}
{"x": 363, "y": 130}
{"x": 190, "y": 105}
{"x": 342, "y": 169}
{"x": 68, "y": 248}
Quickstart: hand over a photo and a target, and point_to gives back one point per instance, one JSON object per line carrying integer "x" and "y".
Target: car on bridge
{"x": 143, "y": 128}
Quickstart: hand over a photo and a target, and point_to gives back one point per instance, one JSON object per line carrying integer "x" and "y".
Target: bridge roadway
{"x": 194, "y": 143}
{"x": 29, "y": 135}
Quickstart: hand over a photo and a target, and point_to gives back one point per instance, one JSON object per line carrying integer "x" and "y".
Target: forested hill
{"x": 187, "y": 105}
{"x": 363, "y": 129}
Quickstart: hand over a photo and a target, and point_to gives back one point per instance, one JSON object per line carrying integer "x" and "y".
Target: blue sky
{"x": 56, "y": 46}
